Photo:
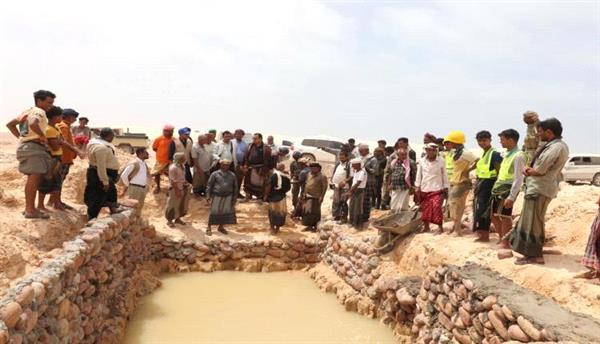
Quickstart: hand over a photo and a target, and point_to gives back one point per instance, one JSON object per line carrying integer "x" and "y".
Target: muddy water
{"x": 237, "y": 307}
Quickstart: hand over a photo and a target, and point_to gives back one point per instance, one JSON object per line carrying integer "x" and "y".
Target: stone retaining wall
{"x": 86, "y": 294}
{"x": 219, "y": 253}
{"x": 464, "y": 305}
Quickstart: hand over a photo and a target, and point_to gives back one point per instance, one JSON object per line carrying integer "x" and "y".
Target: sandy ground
{"x": 25, "y": 243}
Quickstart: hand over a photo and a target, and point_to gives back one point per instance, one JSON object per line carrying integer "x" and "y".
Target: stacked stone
{"x": 272, "y": 254}
{"x": 353, "y": 259}
{"x": 451, "y": 309}
{"x": 86, "y": 294}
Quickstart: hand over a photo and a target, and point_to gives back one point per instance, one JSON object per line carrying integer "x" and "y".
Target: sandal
{"x": 208, "y": 232}
{"x": 170, "y": 224}
{"x": 527, "y": 260}
{"x": 36, "y": 215}
{"x": 178, "y": 221}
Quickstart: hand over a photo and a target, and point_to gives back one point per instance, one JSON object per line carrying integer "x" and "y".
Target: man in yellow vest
{"x": 487, "y": 168}
{"x": 507, "y": 186}
{"x": 460, "y": 183}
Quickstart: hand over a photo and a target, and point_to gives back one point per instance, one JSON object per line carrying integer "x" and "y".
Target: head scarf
{"x": 185, "y": 131}
{"x": 168, "y": 127}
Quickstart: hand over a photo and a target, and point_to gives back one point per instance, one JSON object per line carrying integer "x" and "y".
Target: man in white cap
{"x": 221, "y": 192}
{"x": 356, "y": 194}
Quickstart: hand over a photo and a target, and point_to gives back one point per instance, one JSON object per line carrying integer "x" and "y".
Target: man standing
{"x": 70, "y": 150}
{"x": 221, "y": 193}
{"x": 381, "y": 144}
{"x": 294, "y": 172}
{"x": 82, "y": 129}
{"x": 403, "y": 143}
{"x": 241, "y": 147}
{"x": 385, "y": 198}
{"x": 303, "y": 173}
{"x": 179, "y": 192}
{"x": 401, "y": 180}
{"x": 340, "y": 180}
{"x": 161, "y": 146}
{"x": 381, "y": 162}
{"x": 203, "y": 162}
{"x": 225, "y": 150}
{"x": 431, "y": 188}
{"x": 32, "y": 153}
{"x": 463, "y": 162}
{"x": 487, "y": 169}
{"x": 507, "y": 187}
{"x": 369, "y": 164}
{"x": 184, "y": 145}
{"x": 258, "y": 165}
{"x": 102, "y": 174}
{"x": 541, "y": 186}
{"x": 313, "y": 195}
{"x": 136, "y": 178}
{"x": 278, "y": 187}
{"x": 356, "y": 194}
{"x": 51, "y": 182}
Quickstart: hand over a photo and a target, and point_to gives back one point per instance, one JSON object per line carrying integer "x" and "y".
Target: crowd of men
{"x": 438, "y": 181}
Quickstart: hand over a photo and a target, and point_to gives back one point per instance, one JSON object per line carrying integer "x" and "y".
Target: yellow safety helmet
{"x": 455, "y": 136}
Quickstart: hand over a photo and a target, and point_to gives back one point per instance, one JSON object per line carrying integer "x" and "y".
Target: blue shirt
{"x": 240, "y": 151}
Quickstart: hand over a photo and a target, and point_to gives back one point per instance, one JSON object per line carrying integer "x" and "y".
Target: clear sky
{"x": 368, "y": 69}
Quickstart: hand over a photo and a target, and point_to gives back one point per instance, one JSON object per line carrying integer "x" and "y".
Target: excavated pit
{"x": 88, "y": 293}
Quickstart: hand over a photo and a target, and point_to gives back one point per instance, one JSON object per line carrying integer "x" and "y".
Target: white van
{"x": 582, "y": 167}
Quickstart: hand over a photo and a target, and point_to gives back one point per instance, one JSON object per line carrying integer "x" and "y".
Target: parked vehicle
{"x": 311, "y": 148}
{"x": 126, "y": 141}
{"x": 584, "y": 168}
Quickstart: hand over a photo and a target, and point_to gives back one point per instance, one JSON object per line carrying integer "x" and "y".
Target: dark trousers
{"x": 377, "y": 192}
{"x": 188, "y": 174}
{"x": 482, "y": 218}
{"x": 295, "y": 193}
{"x": 94, "y": 196}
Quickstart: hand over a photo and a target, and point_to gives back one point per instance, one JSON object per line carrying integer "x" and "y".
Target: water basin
{"x": 238, "y": 307}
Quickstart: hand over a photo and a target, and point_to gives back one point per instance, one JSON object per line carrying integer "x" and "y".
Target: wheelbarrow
{"x": 395, "y": 226}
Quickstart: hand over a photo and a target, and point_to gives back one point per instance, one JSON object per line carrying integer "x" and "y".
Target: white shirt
{"x": 202, "y": 157}
{"x": 431, "y": 175}
{"x": 339, "y": 174}
{"x": 360, "y": 178}
{"x": 226, "y": 151}
{"x": 141, "y": 178}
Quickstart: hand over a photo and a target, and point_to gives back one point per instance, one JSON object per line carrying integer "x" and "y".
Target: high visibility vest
{"x": 449, "y": 158}
{"x": 483, "y": 166}
{"x": 507, "y": 168}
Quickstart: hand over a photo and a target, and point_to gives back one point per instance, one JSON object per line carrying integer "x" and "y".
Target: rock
{"x": 3, "y": 336}
{"x": 10, "y": 314}
{"x": 461, "y": 292}
{"x": 498, "y": 310}
{"x": 478, "y": 326}
{"x": 508, "y": 314}
{"x": 445, "y": 321}
{"x": 529, "y": 329}
{"x": 548, "y": 335}
{"x": 475, "y": 336}
{"x": 504, "y": 254}
{"x": 464, "y": 316}
{"x": 488, "y": 302}
{"x": 468, "y": 284}
{"x": 39, "y": 291}
{"x": 25, "y": 297}
{"x": 404, "y": 298}
{"x": 461, "y": 337}
{"x": 515, "y": 332}
{"x": 498, "y": 325}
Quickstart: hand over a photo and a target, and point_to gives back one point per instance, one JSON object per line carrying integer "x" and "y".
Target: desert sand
{"x": 24, "y": 244}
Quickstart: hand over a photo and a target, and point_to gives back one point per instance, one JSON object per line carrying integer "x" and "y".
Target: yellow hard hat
{"x": 455, "y": 136}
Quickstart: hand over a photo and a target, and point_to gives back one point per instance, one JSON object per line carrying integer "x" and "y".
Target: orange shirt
{"x": 161, "y": 147}
{"x": 68, "y": 154}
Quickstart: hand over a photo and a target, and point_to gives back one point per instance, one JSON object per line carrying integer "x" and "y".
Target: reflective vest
{"x": 483, "y": 166}
{"x": 449, "y": 158}
{"x": 507, "y": 168}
